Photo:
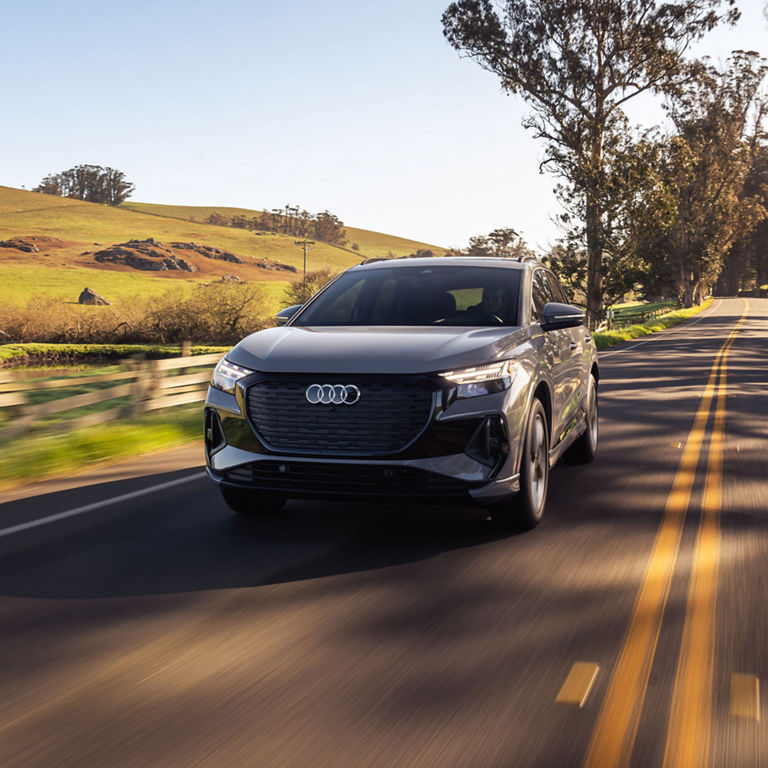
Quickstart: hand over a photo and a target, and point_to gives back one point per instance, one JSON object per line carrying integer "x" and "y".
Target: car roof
{"x": 446, "y": 261}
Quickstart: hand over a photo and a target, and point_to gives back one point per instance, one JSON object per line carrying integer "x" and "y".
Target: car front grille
{"x": 389, "y": 415}
{"x": 318, "y": 479}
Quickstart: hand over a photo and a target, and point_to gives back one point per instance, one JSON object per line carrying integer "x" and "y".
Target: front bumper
{"x": 462, "y": 456}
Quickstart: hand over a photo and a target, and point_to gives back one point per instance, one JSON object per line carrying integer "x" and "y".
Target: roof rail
{"x": 527, "y": 257}
{"x": 375, "y": 259}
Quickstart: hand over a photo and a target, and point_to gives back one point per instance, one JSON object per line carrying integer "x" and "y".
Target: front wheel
{"x": 251, "y": 503}
{"x": 584, "y": 449}
{"x": 525, "y": 509}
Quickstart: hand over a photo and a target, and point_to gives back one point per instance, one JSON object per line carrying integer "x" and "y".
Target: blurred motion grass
{"x": 606, "y": 339}
{"x": 36, "y": 457}
{"x": 18, "y": 354}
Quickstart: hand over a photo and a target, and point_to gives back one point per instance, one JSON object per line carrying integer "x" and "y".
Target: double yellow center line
{"x": 688, "y": 734}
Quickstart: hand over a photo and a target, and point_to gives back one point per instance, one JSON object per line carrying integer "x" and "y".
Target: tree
{"x": 296, "y": 293}
{"x": 576, "y": 62}
{"x": 501, "y": 243}
{"x": 88, "y": 182}
{"x": 219, "y": 220}
{"x": 747, "y": 261}
{"x": 718, "y": 117}
{"x": 329, "y": 228}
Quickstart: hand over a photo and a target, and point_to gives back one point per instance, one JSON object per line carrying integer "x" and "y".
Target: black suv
{"x": 442, "y": 380}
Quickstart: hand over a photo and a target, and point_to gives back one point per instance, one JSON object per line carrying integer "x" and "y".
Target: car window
{"x": 541, "y": 293}
{"x": 556, "y": 289}
{"x": 417, "y": 295}
{"x": 467, "y": 297}
{"x": 342, "y": 305}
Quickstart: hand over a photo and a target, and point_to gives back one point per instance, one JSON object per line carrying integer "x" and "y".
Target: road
{"x": 161, "y": 630}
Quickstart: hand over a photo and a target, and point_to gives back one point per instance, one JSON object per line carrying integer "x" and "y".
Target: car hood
{"x": 356, "y": 349}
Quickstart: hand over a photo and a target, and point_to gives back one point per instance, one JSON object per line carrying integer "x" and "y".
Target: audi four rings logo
{"x": 332, "y": 394}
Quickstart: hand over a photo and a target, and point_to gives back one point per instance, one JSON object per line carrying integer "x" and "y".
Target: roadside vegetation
{"x": 41, "y": 356}
{"x": 605, "y": 339}
{"x": 214, "y": 314}
{"x": 41, "y": 456}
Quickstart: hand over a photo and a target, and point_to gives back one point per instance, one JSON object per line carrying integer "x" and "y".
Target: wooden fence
{"x": 139, "y": 387}
{"x": 631, "y": 316}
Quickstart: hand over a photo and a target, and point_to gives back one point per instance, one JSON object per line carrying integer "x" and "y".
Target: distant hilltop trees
{"x": 289, "y": 220}
{"x": 93, "y": 183}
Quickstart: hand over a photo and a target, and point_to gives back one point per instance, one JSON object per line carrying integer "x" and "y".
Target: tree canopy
{"x": 290, "y": 220}
{"x": 88, "y": 182}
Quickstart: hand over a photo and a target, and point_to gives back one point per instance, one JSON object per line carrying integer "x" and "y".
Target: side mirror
{"x": 561, "y": 316}
{"x": 284, "y": 315}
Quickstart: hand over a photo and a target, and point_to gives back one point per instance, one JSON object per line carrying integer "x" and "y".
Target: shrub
{"x": 221, "y": 313}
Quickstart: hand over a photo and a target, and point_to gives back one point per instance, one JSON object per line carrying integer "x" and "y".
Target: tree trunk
{"x": 594, "y": 261}
{"x": 692, "y": 288}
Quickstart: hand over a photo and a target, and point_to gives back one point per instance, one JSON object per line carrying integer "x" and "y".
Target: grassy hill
{"x": 65, "y": 268}
{"x": 372, "y": 244}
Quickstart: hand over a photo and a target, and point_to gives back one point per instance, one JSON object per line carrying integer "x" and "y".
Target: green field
{"x": 20, "y": 283}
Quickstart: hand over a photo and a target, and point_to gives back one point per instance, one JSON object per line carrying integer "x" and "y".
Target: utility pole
{"x": 305, "y": 243}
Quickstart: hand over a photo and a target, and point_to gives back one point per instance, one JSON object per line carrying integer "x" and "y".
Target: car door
{"x": 556, "y": 351}
{"x": 573, "y": 361}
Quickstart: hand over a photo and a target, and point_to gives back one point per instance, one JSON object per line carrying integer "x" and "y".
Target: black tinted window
{"x": 423, "y": 295}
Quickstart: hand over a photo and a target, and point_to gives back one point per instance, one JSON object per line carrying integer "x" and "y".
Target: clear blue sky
{"x": 360, "y": 108}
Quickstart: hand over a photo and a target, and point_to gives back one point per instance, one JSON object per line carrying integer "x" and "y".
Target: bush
{"x": 221, "y": 313}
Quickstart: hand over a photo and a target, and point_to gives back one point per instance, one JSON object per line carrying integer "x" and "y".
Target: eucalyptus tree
{"x": 88, "y": 182}
{"x": 746, "y": 265}
{"x": 718, "y": 118}
{"x": 576, "y": 63}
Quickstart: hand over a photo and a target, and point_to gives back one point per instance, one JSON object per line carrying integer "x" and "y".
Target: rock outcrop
{"x": 91, "y": 297}
{"x": 152, "y": 255}
{"x": 273, "y": 266}
{"x": 148, "y": 255}
{"x": 209, "y": 252}
{"x": 31, "y": 243}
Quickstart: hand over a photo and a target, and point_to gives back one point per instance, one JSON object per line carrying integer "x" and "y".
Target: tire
{"x": 525, "y": 509}
{"x": 249, "y": 503}
{"x": 584, "y": 448}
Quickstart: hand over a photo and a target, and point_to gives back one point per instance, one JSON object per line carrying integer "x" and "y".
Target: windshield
{"x": 419, "y": 295}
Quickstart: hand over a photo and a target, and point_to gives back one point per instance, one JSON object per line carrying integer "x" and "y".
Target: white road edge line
{"x": 98, "y": 504}
{"x": 656, "y": 334}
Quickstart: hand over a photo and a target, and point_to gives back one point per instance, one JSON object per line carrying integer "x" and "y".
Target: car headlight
{"x": 226, "y": 375}
{"x": 482, "y": 379}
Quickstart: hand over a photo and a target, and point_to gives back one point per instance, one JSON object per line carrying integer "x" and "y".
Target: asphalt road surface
{"x": 152, "y": 627}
